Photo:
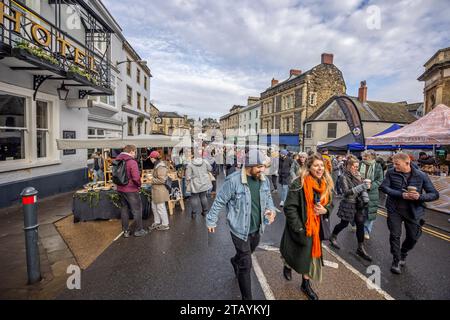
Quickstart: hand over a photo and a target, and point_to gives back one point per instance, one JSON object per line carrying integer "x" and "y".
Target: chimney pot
{"x": 274, "y": 82}
{"x": 295, "y": 72}
{"x": 327, "y": 58}
{"x": 362, "y": 92}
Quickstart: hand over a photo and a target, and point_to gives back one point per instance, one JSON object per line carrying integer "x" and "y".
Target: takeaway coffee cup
{"x": 412, "y": 189}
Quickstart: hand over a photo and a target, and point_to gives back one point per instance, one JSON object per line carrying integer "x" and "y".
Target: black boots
{"x": 361, "y": 251}
{"x": 306, "y": 289}
{"x": 333, "y": 241}
{"x": 287, "y": 273}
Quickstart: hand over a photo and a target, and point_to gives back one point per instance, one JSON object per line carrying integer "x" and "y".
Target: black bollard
{"x": 29, "y": 202}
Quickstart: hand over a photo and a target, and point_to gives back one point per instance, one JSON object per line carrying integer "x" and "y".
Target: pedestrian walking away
{"x": 354, "y": 205}
{"x": 129, "y": 193}
{"x": 407, "y": 188}
{"x": 160, "y": 194}
{"x": 309, "y": 201}
{"x": 249, "y": 205}
{"x": 198, "y": 183}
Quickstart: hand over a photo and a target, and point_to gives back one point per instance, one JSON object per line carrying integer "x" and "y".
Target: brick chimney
{"x": 327, "y": 58}
{"x": 274, "y": 82}
{"x": 362, "y": 93}
{"x": 295, "y": 72}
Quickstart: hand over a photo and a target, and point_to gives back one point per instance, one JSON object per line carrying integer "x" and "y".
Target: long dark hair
{"x": 326, "y": 174}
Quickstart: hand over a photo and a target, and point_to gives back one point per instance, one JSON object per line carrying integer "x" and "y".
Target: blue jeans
{"x": 368, "y": 226}
{"x": 284, "y": 192}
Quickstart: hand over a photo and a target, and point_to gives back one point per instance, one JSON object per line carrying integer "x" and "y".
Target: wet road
{"x": 188, "y": 263}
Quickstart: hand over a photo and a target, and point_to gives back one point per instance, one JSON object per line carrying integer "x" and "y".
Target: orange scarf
{"x": 313, "y": 221}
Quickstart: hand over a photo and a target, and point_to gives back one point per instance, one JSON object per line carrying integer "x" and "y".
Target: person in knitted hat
{"x": 248, "y": 201}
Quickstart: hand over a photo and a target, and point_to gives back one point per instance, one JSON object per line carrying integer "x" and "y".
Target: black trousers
{"x": 413, "y": 233}
{"x": 275, "y": 182}
{"x": 243, "y": 261}
{"x": 359, "y": 221}
{"x": 131, "y": 201}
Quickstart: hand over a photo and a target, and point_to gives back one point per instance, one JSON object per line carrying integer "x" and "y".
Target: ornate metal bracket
{"x": 38, "y": 80}
{"x": 83, "y": 93}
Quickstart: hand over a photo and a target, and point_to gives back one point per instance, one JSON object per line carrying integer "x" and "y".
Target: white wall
{"x": 320, "y": 131}
{"x": 19, "y": 82}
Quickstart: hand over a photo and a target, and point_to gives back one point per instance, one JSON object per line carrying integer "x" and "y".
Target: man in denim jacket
{"x": 249, "y": 206}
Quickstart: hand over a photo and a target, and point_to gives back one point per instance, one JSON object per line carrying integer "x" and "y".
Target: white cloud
{"x": 208, "y": 55}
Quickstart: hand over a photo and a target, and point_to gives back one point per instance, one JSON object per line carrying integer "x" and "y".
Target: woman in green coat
{"x": 372, "y": 170}
{"x": 308, "y": 199}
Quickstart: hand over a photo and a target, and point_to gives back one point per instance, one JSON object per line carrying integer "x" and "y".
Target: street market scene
{"x": 153, "y": 162}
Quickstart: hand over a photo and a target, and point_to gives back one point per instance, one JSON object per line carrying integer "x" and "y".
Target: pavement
{"x": 186, "y": 262}
{"x": 55, "y": 256}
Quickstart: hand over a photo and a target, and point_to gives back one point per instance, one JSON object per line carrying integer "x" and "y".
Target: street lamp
{"x": 63, "y": 92}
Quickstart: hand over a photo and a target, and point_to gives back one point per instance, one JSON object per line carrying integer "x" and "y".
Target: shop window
{"x": 12, "y": 127}
{"x": 42, "y": 128}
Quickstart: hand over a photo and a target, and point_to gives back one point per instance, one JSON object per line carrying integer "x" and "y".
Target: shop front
{"x": 46, "y": 75}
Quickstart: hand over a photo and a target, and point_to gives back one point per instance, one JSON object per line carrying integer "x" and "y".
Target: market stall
{"x": 432, "y": 129}
{"x": 101, "y": 200}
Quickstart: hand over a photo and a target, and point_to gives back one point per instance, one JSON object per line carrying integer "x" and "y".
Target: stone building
{"x": 437, "y": 80}
{"x": 231, "y": 120}
{"x": 170, "y": 123}
{"x": 249, "y": 117}
{"x": 286, "y": 105}
{"x": 328, "y": 122}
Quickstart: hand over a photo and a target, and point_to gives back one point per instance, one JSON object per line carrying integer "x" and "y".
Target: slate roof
{"x": 369, "y": 111}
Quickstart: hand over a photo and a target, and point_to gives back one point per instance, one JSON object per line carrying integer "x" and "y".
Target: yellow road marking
{"x": 425, "y": 229}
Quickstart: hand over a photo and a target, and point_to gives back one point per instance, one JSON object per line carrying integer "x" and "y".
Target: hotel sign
{"x": 46, "y": 38}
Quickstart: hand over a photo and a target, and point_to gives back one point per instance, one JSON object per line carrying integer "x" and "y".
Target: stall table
{"x": 102, "y": 207}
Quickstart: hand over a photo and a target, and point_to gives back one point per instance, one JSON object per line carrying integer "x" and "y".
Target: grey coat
{"x": 197, "y": 176}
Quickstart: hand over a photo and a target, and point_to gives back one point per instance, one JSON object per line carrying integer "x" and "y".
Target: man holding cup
{"x": 249, "y": 205}
{"x": 407, "y": 189}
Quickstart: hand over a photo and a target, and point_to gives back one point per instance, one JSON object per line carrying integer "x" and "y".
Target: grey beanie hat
{"x": 254, "y": 158}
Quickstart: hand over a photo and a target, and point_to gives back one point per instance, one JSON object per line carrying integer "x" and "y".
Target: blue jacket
{"x": 235, "y": 196}
{"x": 395, "y": 183}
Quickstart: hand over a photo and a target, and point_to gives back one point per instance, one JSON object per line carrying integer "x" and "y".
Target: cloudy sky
{"x": 206, "y": 56}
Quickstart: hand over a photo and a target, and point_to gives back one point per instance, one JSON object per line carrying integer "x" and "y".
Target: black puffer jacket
{"x": 351, "y": 204}
{"x": 284, "y": 171}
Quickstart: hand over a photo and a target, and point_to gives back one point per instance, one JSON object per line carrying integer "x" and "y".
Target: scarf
{"x": 313, "y": 221}
{"x": 370, "y": 171}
